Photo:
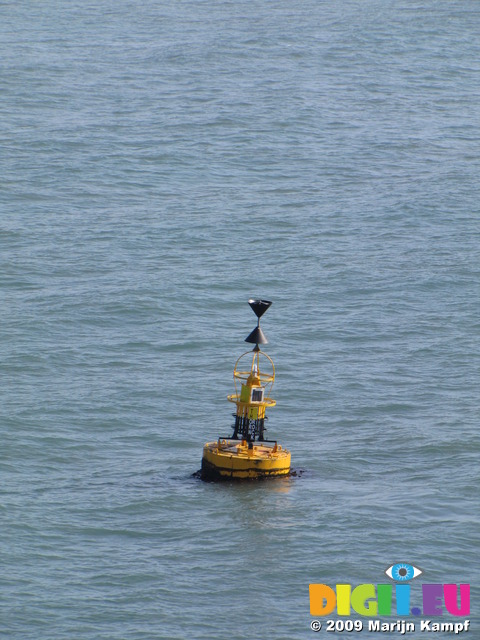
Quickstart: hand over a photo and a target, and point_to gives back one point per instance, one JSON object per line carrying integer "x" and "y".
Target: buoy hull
{"x": 234, "y": 460}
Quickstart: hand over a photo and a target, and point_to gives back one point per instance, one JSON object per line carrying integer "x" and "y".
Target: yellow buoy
{"x": 247, "y": 453}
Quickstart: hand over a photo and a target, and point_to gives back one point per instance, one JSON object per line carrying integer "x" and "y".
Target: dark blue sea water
{"x": 160, "y": 163}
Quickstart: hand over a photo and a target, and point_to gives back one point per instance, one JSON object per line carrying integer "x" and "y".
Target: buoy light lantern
{"x": 247, "y": 454}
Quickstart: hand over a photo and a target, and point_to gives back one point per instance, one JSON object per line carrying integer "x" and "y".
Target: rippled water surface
{"x": 162, "y": 162}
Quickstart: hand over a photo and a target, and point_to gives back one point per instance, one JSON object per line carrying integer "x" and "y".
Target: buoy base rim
{"x": 236, "y": 460}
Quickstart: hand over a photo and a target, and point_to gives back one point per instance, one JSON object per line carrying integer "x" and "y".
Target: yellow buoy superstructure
{"x": 247, "y": 453}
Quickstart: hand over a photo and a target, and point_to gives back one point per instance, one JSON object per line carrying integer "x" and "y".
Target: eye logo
{"x": 403, "y": 572}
